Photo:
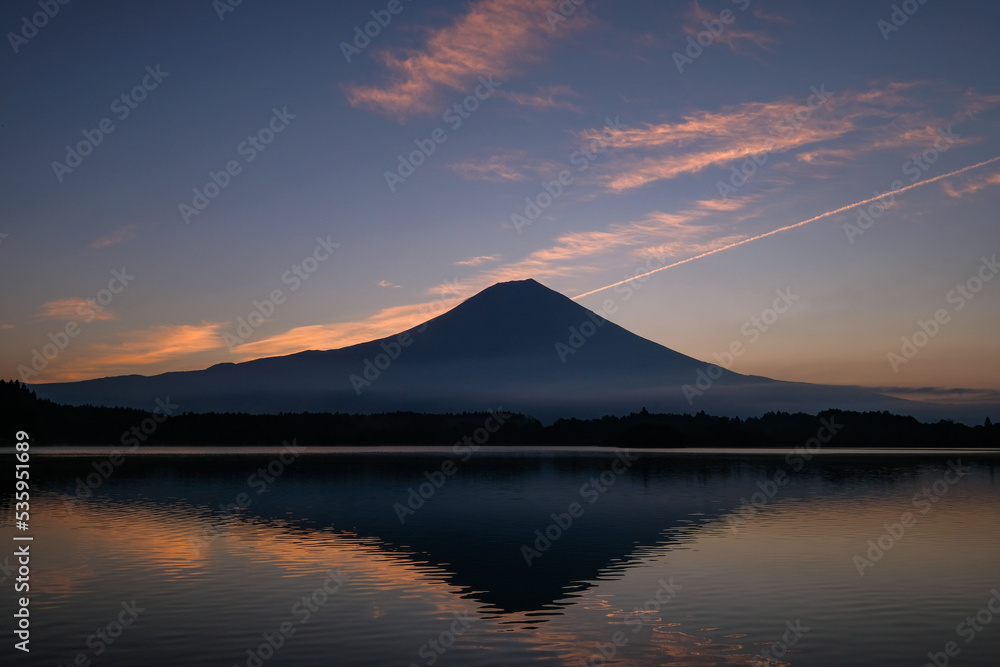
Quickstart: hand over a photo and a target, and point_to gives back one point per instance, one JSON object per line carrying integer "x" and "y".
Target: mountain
{"x": 517, "y": 345}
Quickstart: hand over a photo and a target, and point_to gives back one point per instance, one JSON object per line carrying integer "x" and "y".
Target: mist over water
{"x": 498, "y": 558}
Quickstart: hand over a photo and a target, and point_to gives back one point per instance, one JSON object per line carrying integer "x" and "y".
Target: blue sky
{"x": 647, "y": 111}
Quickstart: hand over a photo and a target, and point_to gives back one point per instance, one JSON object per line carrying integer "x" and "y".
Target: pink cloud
{"x": 504, "y": 167}
{"x": 73, "y": 308}
{"x": 848, "y": 125}
{"x": 732, "y": 35}
{"x": 493, "y": 37}
{"x": 547, "y": 97}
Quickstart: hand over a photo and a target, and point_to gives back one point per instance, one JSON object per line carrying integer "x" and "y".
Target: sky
{"x": 196, "y": 182}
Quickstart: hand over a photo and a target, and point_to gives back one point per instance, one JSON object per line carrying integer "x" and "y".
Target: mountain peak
{"x": 525, "y": 286}
{"x": 509, "y": 310}
{"x": 518, "y": 282}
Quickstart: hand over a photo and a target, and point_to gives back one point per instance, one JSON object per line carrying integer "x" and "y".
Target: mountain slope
{"x": 518, "y": 345}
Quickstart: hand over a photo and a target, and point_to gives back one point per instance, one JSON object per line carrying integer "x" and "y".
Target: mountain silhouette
{"x": 517, "y": 345}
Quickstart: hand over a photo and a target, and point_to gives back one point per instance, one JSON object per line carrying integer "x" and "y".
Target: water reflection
{"x": 218, "y": 570}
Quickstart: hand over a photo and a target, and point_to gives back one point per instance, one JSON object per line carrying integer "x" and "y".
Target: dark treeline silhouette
{"x": 49, "y": 423}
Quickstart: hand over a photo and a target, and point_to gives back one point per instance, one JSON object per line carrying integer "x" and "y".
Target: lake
{"x": 509, "y": 557}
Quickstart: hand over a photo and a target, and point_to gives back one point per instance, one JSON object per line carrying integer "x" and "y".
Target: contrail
{"x": 797, "y": 224}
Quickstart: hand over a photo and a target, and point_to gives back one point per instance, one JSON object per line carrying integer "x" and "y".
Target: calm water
{"x": 200, "y": 561}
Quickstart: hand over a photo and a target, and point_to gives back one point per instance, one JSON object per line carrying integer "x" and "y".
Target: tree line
{"x": 50, "y": 423}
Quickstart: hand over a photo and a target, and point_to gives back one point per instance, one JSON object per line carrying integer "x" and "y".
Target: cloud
{"x": 721, "y": 205}
{"x": 771, "y": 18}
{"x": 971, "y": 186}
{"x": 731, "y": 35}
{"x": 657, "y": 233}
{"x": 496, "y": 169}
{"x": 689, "y": 231}
{"x": 73, "y": 308}
{"x": 848, "y": 125}
{"x": 336, "y": 335}
{"x": 120, "y": 235}
{"x": 162, "y": 342}
{"x": 828, "y": 157}
{"x": 144, "y": 347}
{"x": 493, "y": 38}
{"x": 545, "y": 97}
{"x": 476, "y": 261}
{"x": 683, "y": 238}
{"x": 660, "y": 151}
{"x": 386, "y": 283}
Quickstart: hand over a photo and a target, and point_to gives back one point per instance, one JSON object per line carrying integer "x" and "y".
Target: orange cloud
{"x": 336, "y": 335}
{"x": 73, "y": 308}
{"x": 144, "y": 347}
{"x": 494, "y": 37}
